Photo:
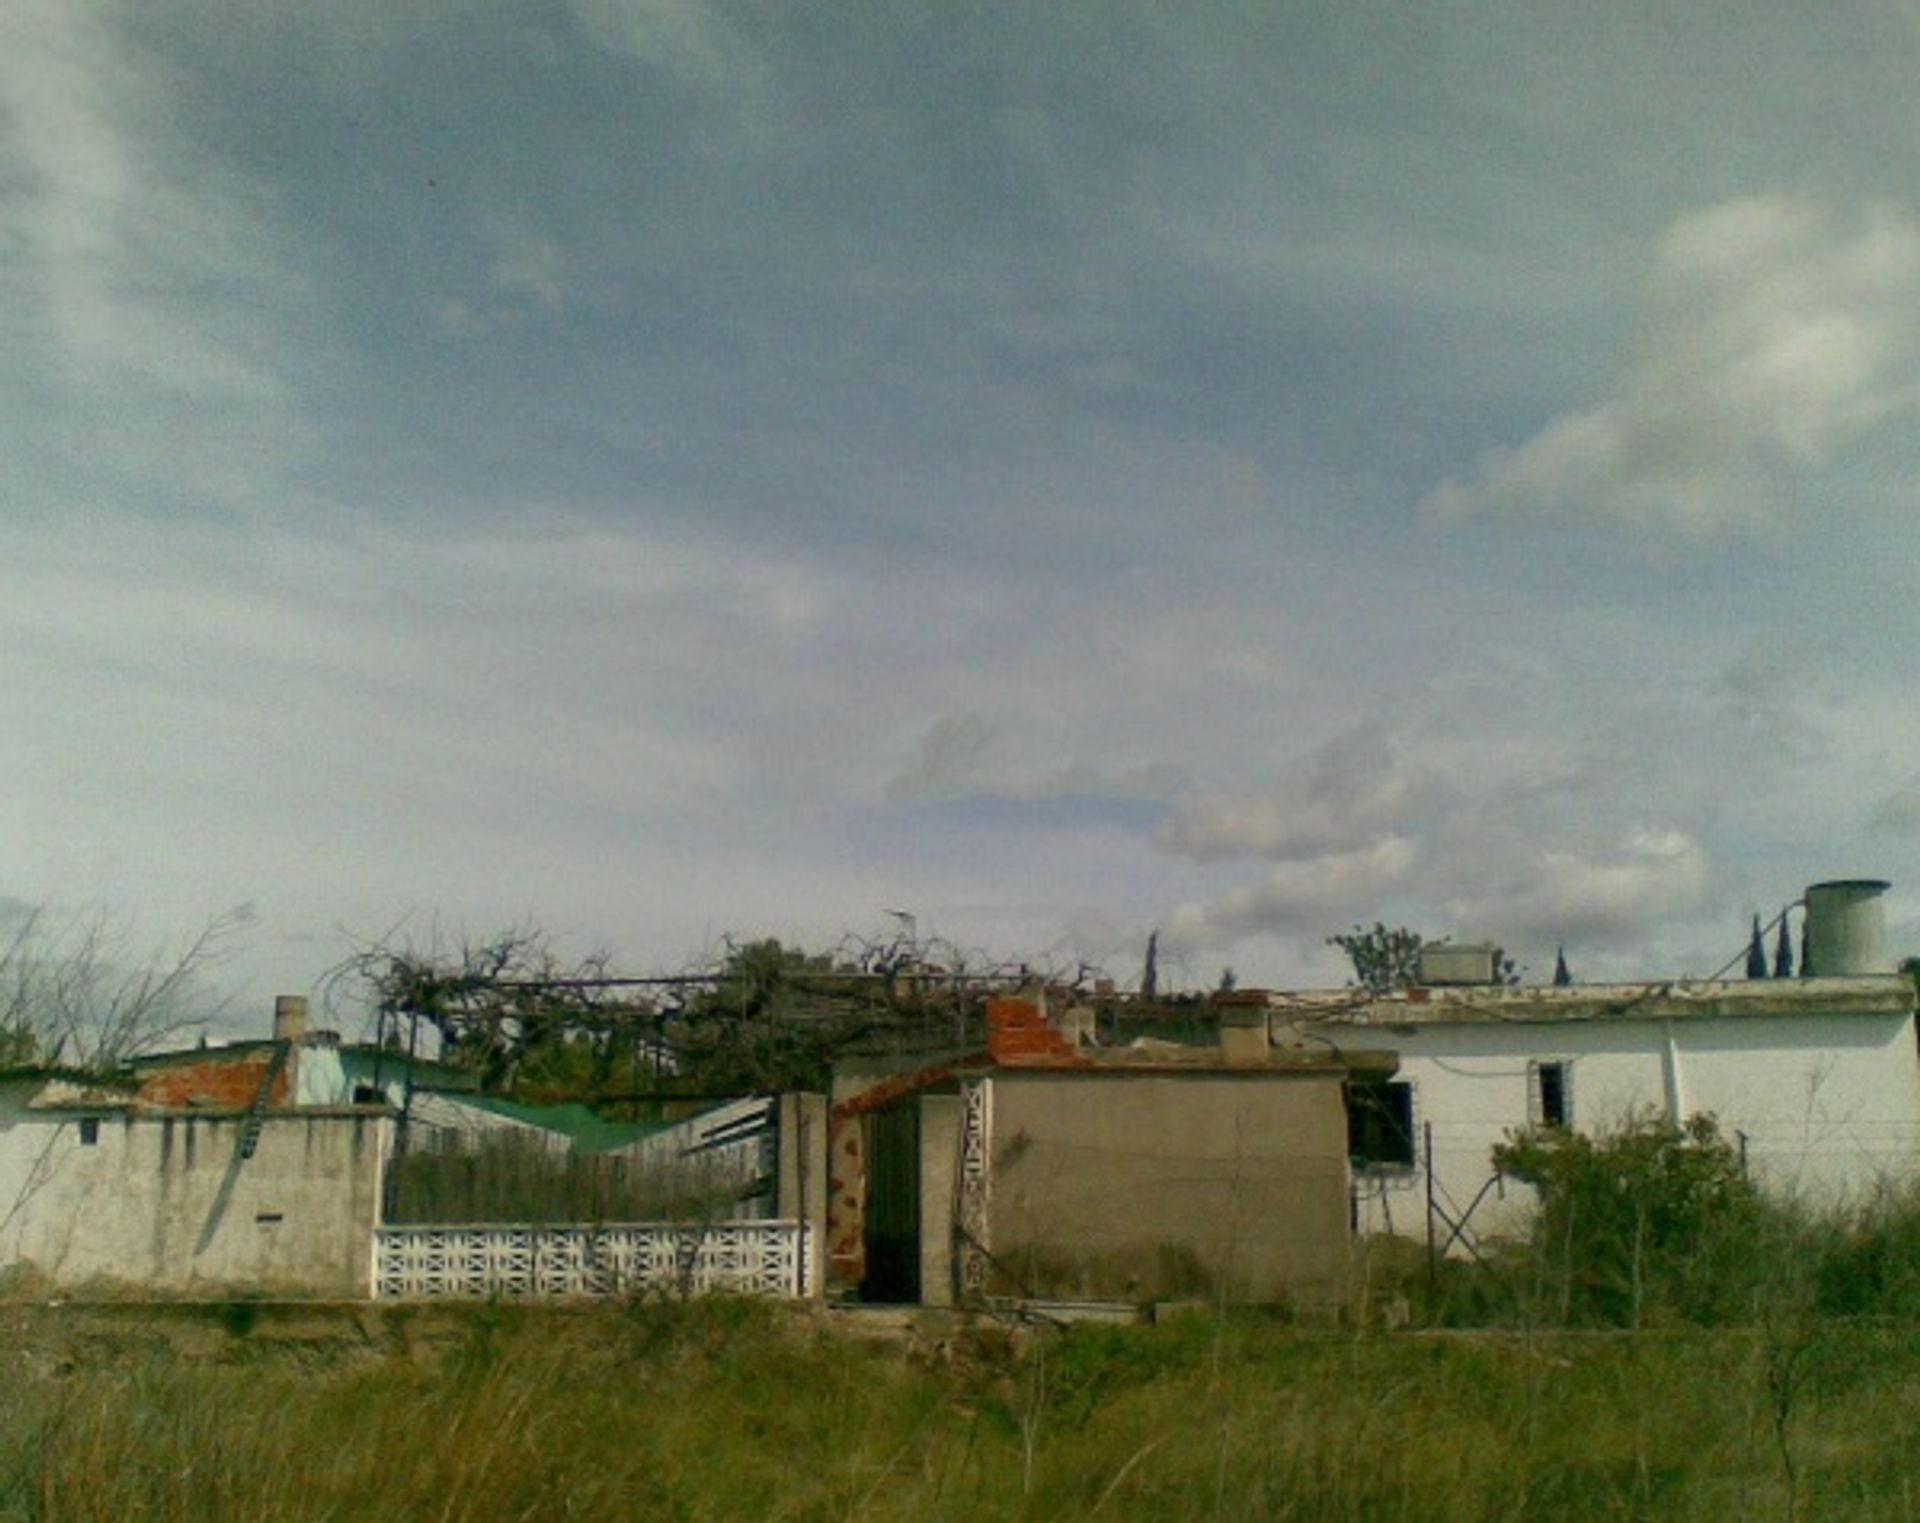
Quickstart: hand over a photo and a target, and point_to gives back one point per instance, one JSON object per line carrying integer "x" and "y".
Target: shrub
{"x": 1871, "y": 1263}
{"x": 1649, "y": 1221}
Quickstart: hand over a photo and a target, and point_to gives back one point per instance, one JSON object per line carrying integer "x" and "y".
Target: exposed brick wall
{"x": 1019, "y": 1037}
{"x": 218, "y": 1083}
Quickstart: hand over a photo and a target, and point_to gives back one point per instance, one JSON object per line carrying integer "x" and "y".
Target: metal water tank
{"x": 1846, "y": 929}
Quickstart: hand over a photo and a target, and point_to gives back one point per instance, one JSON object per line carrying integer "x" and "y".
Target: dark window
{"x": 89, "y": 1131}
{"x": 1550, "y": 1102}
{"x": 1380, "y": 1125}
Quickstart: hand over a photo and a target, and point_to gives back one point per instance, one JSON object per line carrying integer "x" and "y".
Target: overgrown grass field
{"x": 1668, "y": 1346}
{"x": 734, "y": 1410}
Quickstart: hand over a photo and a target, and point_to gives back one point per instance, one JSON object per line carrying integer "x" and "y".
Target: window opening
{"x": 1380, "y": 1125}
{"x": 1550, "y": 1094}
{"x": 89, "y": 1131}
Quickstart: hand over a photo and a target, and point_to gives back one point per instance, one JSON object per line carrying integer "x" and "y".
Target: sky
{"x": 668, "y": 470}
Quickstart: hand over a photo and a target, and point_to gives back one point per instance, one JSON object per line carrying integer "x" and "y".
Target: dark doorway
{"x": 893, "y": 1204}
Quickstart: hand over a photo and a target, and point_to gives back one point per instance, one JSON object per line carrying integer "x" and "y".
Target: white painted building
{"x": 97, "y": 1195}
{"x": 1817, "y": 1080}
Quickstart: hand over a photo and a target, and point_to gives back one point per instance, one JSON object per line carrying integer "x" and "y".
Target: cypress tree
{"x": 1756, "y": 953}
{"x": 1783, "y": 952}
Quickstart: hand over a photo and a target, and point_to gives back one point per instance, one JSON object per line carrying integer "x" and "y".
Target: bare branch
{"x": 74, "y": 994}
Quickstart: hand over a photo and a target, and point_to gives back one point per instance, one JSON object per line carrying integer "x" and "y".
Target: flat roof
{"x": 1111, "y": 1062}
{"x": 1669, "y": 999}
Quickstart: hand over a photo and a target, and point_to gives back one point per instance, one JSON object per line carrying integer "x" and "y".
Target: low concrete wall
{"x": 166, "y": 1203}
{"x": 1142, "y": 1185}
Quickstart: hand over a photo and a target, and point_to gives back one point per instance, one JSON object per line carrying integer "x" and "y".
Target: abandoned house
{"x": 1816, "y": 1080}
{"x": 1046, "y": 1166}
{"x": 276, "y": 1167}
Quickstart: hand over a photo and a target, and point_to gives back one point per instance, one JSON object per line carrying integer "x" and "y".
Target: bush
{"x": 1648, "y": 1222}
{"x": 1871, "y": 1262}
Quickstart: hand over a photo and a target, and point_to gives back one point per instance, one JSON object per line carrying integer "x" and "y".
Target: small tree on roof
{"x": 1382, "y": 959}
{"x": 1756, "y": 953}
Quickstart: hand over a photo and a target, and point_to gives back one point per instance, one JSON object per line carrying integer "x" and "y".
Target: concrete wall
{"x": 801, "y": 1188}
{"x": 1830, "y": 1102}
{"x": 1144, "y": 1185}
{"x": 165, "y": 1203}
{"x": 940, "y": 1122}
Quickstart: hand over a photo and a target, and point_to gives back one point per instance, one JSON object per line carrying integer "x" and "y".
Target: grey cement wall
{"x": 940, "y": 1119}
{"x": 165, "y": 1203}
{"x": 1146, "y": 1185}
{"x": 801, "y": 1188}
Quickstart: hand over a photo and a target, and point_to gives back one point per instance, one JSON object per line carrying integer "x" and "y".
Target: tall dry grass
{"x": 728, "y": 1410}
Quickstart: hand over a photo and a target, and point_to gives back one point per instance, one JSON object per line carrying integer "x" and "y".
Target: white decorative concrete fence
{"x": 764, "y": 1258}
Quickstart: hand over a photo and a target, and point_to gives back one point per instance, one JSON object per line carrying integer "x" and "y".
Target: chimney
{"x": 289, "y": 1017}
{"x": 1244, "y": 1036}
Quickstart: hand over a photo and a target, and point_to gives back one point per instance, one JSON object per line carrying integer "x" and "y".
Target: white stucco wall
{"x": 1829, "y": 1101}
{"x": 165, "y": 1202}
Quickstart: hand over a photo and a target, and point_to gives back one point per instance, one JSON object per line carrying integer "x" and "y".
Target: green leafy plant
{"x": 1649, "y": 1221}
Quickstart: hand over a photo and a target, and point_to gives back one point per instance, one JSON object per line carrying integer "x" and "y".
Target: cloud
{"x": 1306, "y": 893}
{"x": 957, "y": 760}
{"x": 147, "y": 279}
{"x": 1775, "y": 335}
{"x": 117, "y": 240}
{"x": 1615, "y": 893}
{"x": 1899, "y": 810}
{"x": 687, "y": 36}
{"x": 951, "y": 763}
{"x": 1354, "y": 787}
{"x": 1527, "y": 828}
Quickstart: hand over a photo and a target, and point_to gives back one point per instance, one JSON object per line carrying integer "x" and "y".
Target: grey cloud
{"x": 1299, "y": 895}
{"x": 565, "y": 458}
{"x": 124, "y": 234}
{"x": 1766, "y": 693}
{"x": 952, "y": 761}
{"x": 1354, "y": 788}
{"x": 1776, "y": 334}
{"x": 1150, "y": 783}
{"x": 1899, "y": 810}
{"x": 1608, "y": 895}
{"x": 1539, "y": 836}
{"x": 687, "y": 36}
{"x": 956, "y": 760}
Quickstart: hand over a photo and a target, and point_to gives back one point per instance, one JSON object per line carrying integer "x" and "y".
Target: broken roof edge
{"x": 1678, "y": 998}
{"x": 1155, "y": 1057}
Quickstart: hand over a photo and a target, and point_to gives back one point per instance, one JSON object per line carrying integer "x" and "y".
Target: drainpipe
{"x": 1670, "y": 1076}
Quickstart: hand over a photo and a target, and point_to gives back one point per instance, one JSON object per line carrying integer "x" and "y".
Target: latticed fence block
{"x": 747, "y": 1258}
